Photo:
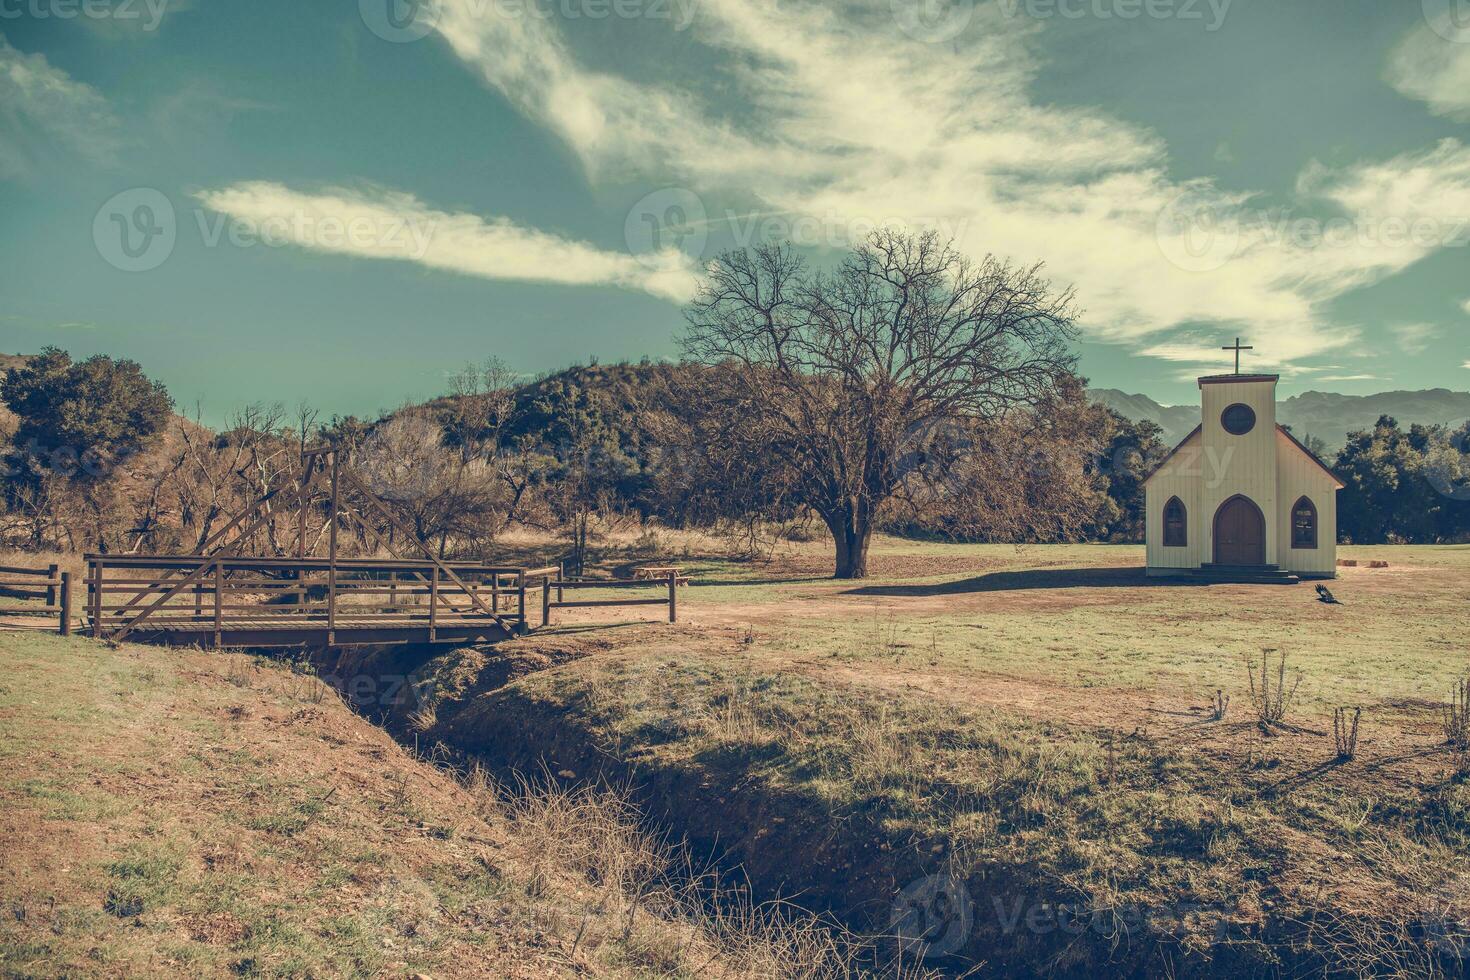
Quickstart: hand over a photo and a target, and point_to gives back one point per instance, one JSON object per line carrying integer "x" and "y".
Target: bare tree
{"x": 437, "y": 490}
{"x": 850, "y": 379}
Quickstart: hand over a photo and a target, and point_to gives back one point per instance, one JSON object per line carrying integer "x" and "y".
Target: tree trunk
{"x": 852, "y": 532}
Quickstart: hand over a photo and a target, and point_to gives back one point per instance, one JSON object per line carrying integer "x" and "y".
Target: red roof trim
{"x": 1225, "y": 379}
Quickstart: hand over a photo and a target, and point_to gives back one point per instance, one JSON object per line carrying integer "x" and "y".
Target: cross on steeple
{"x": 1237, "y": 348}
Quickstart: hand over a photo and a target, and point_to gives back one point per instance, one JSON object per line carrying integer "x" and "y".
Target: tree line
{"x": 909, "y": 389}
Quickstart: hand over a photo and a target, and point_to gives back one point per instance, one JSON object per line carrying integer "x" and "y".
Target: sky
{"x": 343, "y": 203}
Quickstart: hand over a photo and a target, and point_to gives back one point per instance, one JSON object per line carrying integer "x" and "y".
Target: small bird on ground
{"x": 1324, "y": 594}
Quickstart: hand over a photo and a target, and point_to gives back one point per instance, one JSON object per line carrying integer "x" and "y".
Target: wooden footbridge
{"x": 218, "y": 597}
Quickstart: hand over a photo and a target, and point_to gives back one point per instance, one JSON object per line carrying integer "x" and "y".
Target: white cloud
{"x": 1466, "y": 306}
{"x": 1414, "y": 338}
{"x": 845, "y": 119}
{"x": 1432, "y": 64}
{"x": 41, "y": 108}
{"x": 382, "y": 224}
{"x": 1350, "y": 377}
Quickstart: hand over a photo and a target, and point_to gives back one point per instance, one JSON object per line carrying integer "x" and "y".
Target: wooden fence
{"x": 50, "y": 585}
{"x": 669, "y": 587}
{"x": 214, "y": 596}
{"x": 216, "y": 601}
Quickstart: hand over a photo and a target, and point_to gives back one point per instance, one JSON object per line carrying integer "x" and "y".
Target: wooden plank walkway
{"x": 316, "y": 631}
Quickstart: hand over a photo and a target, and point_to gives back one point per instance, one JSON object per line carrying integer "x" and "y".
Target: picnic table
{"x": 646, "y": 572}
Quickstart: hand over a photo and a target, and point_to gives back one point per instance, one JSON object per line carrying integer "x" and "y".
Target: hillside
{"x": 166, "y": 813}
{"x": 1330, "y": 416}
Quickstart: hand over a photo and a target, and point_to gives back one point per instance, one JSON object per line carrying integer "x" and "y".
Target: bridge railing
{"x": 143, "y": 591}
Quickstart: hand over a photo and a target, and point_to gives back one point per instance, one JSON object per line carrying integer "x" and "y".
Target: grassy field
{"x": 995, "y": 759}
{"x": 1036, "y": 727}
{"x": 184, "y": 814}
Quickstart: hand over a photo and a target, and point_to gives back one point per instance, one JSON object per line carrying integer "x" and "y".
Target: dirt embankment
{"x": 526, "y": 707}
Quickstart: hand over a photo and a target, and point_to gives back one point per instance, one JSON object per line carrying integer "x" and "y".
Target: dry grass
{"x": 1099, "y": 821}
{"x": 168, "y": 813}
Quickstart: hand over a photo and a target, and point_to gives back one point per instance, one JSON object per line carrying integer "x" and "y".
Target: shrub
{"x": 1272, "y": 700}
{"x": 1457, "y": 716}
{"x": 1345, "y": 732}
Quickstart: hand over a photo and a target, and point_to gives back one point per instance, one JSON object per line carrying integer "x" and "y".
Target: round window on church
{"x": 1238, "y": 419}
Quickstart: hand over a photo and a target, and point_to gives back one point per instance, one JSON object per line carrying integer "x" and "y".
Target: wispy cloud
{"x": 381, "y": 224}
{"x": 1432, "y": 64}
{"x": 847, "y": 120}
{"x": 1350, "y": 377}
{"x": 43, "y": 109}
{"x": 1414, "y": 338}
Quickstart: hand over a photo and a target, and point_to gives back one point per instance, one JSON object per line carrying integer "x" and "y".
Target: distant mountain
{"x": 1325, "y": 414}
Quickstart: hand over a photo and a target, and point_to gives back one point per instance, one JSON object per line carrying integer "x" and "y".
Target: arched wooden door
{"x": 1240, "y": 533}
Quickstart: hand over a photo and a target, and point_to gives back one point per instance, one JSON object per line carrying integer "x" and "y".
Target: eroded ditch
{"x": 787, "y": 847}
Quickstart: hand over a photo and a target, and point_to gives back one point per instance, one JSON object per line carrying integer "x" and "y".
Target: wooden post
{"x": 53, "y": 572}
{"x": 673, "y": 597}
{"x": 559, "y": 580}
{"x": 546, "y": 601}
{"x": 94, "y": 597}
{"x": 332, "y": 558}
{"x": 495, "y": 591}
{"x": 433, "y": 602}
{"x": 219, "y": 591}
{"x": 66, "y": 603}
{"x": 521, "y": 605}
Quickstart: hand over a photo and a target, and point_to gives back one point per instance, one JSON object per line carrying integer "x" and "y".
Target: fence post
{"x": 521, "y": 599}
{"x": 53, "y": 572}
{"x": 94, "y": 597}
{"x": 66, "y": 603}
{"x": 433, "y": 602}
{"x": 673, "y": 597}
{"x": 559, "y": 580}
{"x": 219, "y": 611}
{"x": 546, "y": 601}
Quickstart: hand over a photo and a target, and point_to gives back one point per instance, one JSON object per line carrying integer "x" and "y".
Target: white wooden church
{"x": 1240, "y": 499}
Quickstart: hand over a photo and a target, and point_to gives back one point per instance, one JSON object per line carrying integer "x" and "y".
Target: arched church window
{"x": 1238, "y": 419}
{"x": 1304, "y": 524}
{"x": 1176, "y": 533}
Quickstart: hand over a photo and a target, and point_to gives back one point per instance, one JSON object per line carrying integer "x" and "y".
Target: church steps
{"x": 1246, "y": 574}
